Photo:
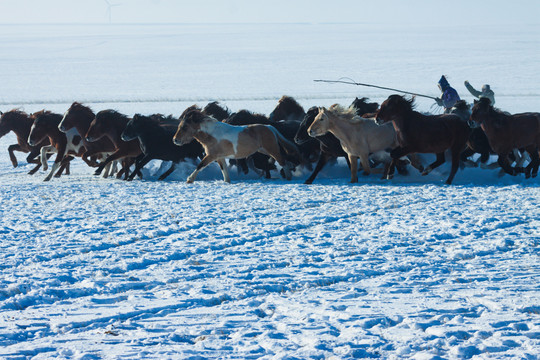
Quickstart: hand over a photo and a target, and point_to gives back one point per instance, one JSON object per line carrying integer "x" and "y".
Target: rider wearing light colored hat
{"x": 485, "y": 93}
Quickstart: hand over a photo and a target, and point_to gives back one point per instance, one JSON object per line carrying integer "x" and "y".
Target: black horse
{"x": 155, "y": 134}
{"x": 287, "y": 109}
{"x": 217, "y": 111}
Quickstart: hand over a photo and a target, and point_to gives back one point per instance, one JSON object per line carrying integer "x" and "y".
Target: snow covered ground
{"x": 99, "y": 268}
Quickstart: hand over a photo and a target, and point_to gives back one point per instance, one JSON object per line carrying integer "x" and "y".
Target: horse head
{"x": 73, "y": 115}
{"x": 363, "y": 107}
{"x": 190, "y": 125}
{"x": 480, "y": 112}
{"x": 45, "y": 122}
{"x": 287, "y": 109}
{"x": 133, "y": 127}
{"x": 302, "y": 135}
{"x": 461, "y": 109}
{"x": 99, "y": 126}
{"x": 396, "y": 106}
{"x": 320, "y": 123}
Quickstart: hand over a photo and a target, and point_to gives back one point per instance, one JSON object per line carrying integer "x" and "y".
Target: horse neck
{"x": 83, "y": 123}
{"x": 402, "y": 121}
{"x": 21, "y": 126}
{"x": 341, "y": 128}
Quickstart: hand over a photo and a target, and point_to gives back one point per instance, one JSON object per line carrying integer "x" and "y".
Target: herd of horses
{"x": 382, "y": 137}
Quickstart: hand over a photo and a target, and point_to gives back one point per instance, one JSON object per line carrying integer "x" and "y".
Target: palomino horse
{"x": 507, "y": 132}
{"x": 358, "y": 136}
{"x": 63, "y": 144}
{"x": 20, "y": 123}
{"x": 111, "y": 124}
{"x": 287, "y": 109}
{"x": 418, "y": 133}
{"x": 221, "y": 141}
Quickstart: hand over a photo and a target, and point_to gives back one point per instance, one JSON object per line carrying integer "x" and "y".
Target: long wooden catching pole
{"x": 375, "y": 86}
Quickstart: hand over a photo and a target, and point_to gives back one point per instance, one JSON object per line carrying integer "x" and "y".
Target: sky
{"x": 430, "y": 12}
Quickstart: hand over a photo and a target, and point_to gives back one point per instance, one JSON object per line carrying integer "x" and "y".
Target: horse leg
{"x": 139, "y": 165}
{"x": 464, "y": 157}
{"x": 273, "y": 149}
{"x": 207, "y": 160}
{"x": 455, "y": 165}
{"x": 224, "y": 170}
{"x": 354, "y": 168}
{"x": 503, "y": 163}
{"x": 438, "y": 162}
{"x": 44, "y": 151}
{"x": 11, "y": 149}
{"x": 533, "y": 165}
{"x": 168, "y": 172}
{"x": 323, "y": 159}
{"x": 364, "y": 159}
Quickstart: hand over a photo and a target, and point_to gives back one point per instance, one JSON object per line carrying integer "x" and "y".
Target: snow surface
{"x": 410, "y": 268}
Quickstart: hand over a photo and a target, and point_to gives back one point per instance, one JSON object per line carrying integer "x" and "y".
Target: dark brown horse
{"x": 63, "y": 144}
{"x": 287, "y": 109}
{"x": 111, "y": 124}
{"x": 506, "y": 132}
{"x": 80, "y": 117}
{"x": 418, "y": 133}
{"x": 20, "y": 123}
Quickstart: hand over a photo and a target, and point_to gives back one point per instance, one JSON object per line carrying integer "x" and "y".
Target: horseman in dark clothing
{"x": 449, "y": 95}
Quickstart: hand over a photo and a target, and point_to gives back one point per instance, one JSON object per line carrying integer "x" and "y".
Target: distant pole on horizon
{"x": 109, "y": 7}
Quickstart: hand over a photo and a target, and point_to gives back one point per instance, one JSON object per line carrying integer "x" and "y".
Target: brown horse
{"x": 111, "y": 124}
{"x": 506, "y": 132}
{"x": 418, "y": 133}
{"x": 63, "y": 144}
{"x": 221, "y": 141}
{"x": 20, "y": 123}
{"x": 359, "y": 137}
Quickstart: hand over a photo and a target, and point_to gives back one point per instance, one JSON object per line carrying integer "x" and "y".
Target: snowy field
{"x": 97, "y": 268}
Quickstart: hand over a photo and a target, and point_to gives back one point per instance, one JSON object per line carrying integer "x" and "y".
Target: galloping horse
{"x": 80, "y": 117}
{"x": 287, "y": 109}
{"x": 507, "y": 132}
{"x": 221, "y": 141}
{"x": 63, "y": 144}
{"x": 358, "y": 136}
{"x": 418, "y": 133}
{"x": 155, "y": 135}
{"x": 20, "y": 123}
{"x": 111, "y": 124}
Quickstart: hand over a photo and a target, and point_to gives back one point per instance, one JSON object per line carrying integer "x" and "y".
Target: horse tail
{"x": 286, "y": 146}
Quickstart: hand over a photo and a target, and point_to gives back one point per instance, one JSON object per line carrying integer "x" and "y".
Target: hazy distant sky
{"x": 271, "y": 11}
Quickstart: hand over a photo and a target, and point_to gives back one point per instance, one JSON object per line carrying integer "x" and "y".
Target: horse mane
{"x": 189, "y": 109}
{"x": 217, "y": 111}
{"x": 244, "y": 117}
{"x": 346, "y": 114}
{"x": 289, "y": 100}
{"x": 16, "y": 111}
{"x": 362, "y": 106}
{"x": 112, "y": 113}
{"x": 78, "y": 106}
{"x": 194, "y": 115}
{"x": 461, "y": 105}
{"x": 41, "y": 113}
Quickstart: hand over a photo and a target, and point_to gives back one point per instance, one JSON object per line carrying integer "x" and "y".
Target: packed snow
{"x": 97, "y": 268}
